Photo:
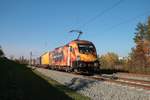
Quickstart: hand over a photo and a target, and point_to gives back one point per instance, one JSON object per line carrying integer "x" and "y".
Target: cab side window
{"x": 72, "y": 49}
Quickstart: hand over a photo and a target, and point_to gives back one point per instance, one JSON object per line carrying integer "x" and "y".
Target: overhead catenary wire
{"x": 106, "y": 11}
{"x": 101, "y": 13}
{"x": 127, "y": 21}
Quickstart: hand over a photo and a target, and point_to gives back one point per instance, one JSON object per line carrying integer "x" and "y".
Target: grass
{"x": 63, "y": 88}
{"x": 20, "y": 83}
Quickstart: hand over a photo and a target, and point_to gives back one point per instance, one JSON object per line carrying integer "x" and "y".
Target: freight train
{"x": 76, "y": 56}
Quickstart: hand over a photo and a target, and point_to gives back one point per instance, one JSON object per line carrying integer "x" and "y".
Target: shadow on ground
{"x": 19, "y": 83}
{"x": 79, "y": 83}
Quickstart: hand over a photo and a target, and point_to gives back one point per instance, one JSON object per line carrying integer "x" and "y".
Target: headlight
{"x": 78, "y": 58}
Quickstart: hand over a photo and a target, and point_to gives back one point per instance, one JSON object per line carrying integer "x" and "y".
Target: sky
{"x": 42, "y": 25}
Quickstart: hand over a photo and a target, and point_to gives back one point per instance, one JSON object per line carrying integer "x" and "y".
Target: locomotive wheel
{"x": 67, "y": 70}
{"x": 74, "y": 67}
{"x": 75, "y": 70}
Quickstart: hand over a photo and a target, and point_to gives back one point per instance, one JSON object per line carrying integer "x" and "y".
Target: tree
{"x": 109, "y": 60}
{"x": 143, "y": 32}
{"x": 148, "y": 29}
{"x": 1, "y": 52}
{"x": 140, "y": 56}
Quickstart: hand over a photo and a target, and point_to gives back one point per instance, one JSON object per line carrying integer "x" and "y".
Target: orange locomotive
{"x": 78, "y": 55}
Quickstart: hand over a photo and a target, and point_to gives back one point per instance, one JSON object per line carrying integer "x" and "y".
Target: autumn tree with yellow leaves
{"x": 109, "y": 60}
{"x": 138, "y": 60}
{"x": 140, "y": 55}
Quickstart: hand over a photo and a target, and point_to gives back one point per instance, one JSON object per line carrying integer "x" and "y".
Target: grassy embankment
{"x": 20, "y": 83}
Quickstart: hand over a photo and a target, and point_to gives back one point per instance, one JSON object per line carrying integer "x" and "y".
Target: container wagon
{"x": 45, "y": 59}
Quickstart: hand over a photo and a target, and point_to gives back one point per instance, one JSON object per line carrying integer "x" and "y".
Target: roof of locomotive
{"x": 76, "y": 41}
{"x": 81, "y": 41}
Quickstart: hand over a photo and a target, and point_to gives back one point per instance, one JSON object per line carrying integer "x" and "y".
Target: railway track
{"x": 133, "y": 75}
{"x": 140, "y": 84}
{"x": 134, "y": 83}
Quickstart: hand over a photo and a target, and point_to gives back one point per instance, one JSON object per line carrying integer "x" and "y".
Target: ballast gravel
{"x": 96, "y": 90}
{"x": 145, "y": 78}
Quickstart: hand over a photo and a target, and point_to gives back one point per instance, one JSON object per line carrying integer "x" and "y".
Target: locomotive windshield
{"x": 86, "y": 48}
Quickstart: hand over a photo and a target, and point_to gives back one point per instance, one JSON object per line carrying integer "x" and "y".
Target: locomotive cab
{"x": 83, "y": 56}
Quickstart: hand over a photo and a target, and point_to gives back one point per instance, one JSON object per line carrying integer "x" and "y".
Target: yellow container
{"x": 45, "y": 59}
{"x": 50, "y": 58}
